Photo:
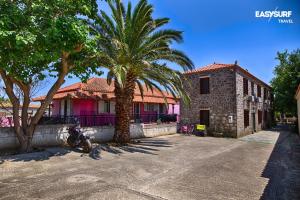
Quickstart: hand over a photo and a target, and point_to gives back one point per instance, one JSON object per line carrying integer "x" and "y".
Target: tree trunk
{"x": 26, "y": 145}
{"x": 124, "y": 101}
{"x": 25, "y": 130}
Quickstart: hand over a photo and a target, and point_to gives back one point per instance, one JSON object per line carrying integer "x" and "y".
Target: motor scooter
{"x": 78, "y": 139}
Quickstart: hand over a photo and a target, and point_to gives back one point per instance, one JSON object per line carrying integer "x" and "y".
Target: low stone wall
{"x": 55, "y": 135}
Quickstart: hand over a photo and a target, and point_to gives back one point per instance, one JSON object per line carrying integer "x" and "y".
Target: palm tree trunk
{"x": 124, "y": 101}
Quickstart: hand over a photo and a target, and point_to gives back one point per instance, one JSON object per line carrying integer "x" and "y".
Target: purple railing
{"x": 107, "y": 119}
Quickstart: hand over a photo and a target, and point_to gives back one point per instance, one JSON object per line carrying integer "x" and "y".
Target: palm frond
{"x": 134, "y": 45}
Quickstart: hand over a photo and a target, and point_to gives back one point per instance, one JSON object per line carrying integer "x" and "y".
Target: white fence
{"x": 54, "y": 135}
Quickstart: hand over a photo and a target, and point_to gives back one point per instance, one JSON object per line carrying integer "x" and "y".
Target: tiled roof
{"x": 149, "y": 99}
{"x": 211, "y": 67}
{"x": 74, "y": 86}
{"x": 9, "y": 105}
{"x": 98, "y": 87}
{"x": 219, "y": 66}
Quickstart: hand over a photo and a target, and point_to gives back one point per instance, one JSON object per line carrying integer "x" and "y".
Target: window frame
{"x": 252, "y": 89}
{"x": 259, "y": 116}
{"x": 150, "y": 107}
{"x": 258, "y": 90}
{"x": 106, "y": 106}
{"x": 208, "y": 118}
{"x": 246, "y": 119}
{"x": 266, "y": 91}
{"x": 204, "y": 90}
{"x": 245, "y": 86}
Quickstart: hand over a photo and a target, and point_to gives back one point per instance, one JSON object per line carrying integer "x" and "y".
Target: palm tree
{"x": 136, "y": 50}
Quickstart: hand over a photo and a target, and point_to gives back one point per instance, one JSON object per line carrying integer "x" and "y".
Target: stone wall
{"x": 253, "y": 107}
{"x": 55, "y": 135}
{"x": 220, "y": 101}
{"x": 242, "y": 104}
{"x": 226, "y": 98}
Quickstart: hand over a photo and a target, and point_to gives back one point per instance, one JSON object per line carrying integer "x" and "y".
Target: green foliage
{"x": 286, "y": 81}
{"x": 33, "y": 35}
{"x": 132, "y": 43}
{"x": 2, "y": 99}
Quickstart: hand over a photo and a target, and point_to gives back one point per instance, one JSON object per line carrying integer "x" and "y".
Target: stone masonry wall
{"x": 220, "y": 101}
{"x": 253, "y": 107}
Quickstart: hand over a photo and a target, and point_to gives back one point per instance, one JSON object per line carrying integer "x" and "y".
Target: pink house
{"x": 93, "y": 103}
{"x": 6, "y": 110}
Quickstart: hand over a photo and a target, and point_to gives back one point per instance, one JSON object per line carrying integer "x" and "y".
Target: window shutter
{"x": 258, "y": 91}
{"x": 259, "y": 116}
{"x": 204, "y": 117}
{"x": 204, "y": 85}
{"x": 245, "y": 83}
{"x": 246, "y": 118}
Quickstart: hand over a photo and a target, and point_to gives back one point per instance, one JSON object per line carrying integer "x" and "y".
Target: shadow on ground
{"x": 145, "y": 146}
{"x": 38, "y": 155}
{"x": 283, "y": 167}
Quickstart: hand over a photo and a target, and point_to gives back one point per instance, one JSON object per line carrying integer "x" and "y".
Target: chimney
{"x": 236, "y": 62}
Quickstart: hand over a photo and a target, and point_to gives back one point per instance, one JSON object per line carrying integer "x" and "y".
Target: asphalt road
{"x": 265, "y": 165}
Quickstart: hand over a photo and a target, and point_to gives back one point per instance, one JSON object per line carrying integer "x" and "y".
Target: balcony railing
{"x": 107, "y": 119}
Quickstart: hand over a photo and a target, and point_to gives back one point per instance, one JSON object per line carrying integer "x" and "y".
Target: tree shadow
{"x": 145, "y": 146}
{"x": 283, "y": 167}
{"x": 37, "y": 155}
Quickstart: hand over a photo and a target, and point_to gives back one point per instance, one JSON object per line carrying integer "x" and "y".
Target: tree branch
{"x": 9, "y": 89}
{"x": 60, "y": 80}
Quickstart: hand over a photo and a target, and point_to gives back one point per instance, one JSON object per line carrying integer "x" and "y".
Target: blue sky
{"x": 225, "y": 31}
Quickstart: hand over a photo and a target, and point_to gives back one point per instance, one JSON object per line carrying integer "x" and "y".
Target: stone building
{"x": 228, "y": 99}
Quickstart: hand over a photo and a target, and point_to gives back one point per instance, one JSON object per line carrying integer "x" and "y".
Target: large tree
{"x": 137, "y": 50}
{"x": 38, "y": 39}
{"x": 286, "y": 81}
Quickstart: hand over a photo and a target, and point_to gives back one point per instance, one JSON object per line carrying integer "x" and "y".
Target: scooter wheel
{"x": 70, "y": 143}
{"x": 87, "y": 146}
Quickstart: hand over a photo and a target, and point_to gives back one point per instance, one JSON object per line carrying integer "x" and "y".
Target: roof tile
{"x": 218, "y": 66}
{"x": 98, "y": 87}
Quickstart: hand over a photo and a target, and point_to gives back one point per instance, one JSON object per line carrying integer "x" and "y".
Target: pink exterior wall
{"x": 84, "y": 107}
{"x": 89, "y": 107}
{"x": 56, "y": 107}
{"x": 176, "y": 109}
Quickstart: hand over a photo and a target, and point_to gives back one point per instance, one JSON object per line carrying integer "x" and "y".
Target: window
{"x": 204, "y": 117}
{"x": 103, "y": 107}
{"x": 150, "y": 107}
{"x": 64, "y": 107}
{"x": 265, "y": 93}
{"x": 246, "y": 118}
{"x": 252, "y": 88}
{"x": 258, "y": 91}
{"x": 204, "y": 85}
{"x": 106, "y": 106}
{"x": 259, "y": 116}
{"x": 245, "y": 83}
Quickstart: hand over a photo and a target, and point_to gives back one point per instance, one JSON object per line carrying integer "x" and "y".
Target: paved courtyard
{"x": 265, "y": 165}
